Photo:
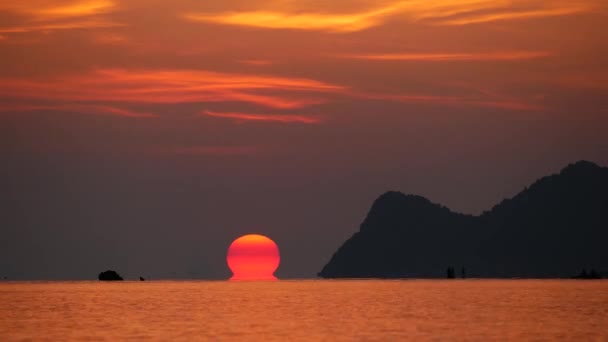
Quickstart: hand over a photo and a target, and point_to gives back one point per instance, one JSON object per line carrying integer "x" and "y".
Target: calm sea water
{"x": 306, "y": 310}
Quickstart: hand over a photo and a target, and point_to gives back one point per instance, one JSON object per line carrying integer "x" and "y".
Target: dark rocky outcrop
{"x": 554, "y": 228}
{"x": 109, "y": 275}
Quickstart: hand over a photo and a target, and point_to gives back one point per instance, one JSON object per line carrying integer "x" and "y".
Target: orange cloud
{"x": 299, "y": 21}
{"x": 170, "y": 87}
{"x": 506, "y": 104}
{"x": 564, "y": 9}
{"x": 448, "y": 12}
{"x": 78, "y": 108}
{"x": 77, "y": 9}
{"x": 280, "y": 118}
{"x": 116, "y": 87}
{"x": 83, "y": 24}
{"x": 442, "y": 57}
{"x": 44, "y": 16}
{"x": 111, "y": 38}
{"x": 58, "y": 8}
{"x": 487, "y": 100}
{"x": 256, "y": 62}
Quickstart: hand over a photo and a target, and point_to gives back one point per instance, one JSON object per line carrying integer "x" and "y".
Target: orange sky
{"x": 427, "y": 97}
{"x": 251, "y": 56}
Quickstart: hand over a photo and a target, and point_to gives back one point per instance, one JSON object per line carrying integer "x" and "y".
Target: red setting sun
{"x": 253, "y": 257}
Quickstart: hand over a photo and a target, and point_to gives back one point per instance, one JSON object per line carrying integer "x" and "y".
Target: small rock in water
{"x": 109, "y": 275}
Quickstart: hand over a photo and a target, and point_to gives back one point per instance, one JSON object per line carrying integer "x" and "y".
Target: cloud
{"x": 443, "y": 57}
{"x": 78, "y": 9}
{"x": 486, "y": 100}
{"x": 111, "y": 38}
{"x": 46, "y": 9}
{"x": 279, "y": 118}
{"x": 78, "y": 108}
{"x": 299, "y": 21}
{"x": 165, "y": 87}
{"x": 211, "y": 150}
{"x": 110, "y": 91}
{"x": 455, "y": 12}
{"x": 256, "y": 62}
{"x": 45, "y": 16}
{"x": 514, "y": 15}
{"x": 82, "y": 24}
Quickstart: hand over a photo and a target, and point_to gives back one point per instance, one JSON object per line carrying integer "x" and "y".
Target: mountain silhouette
{"x": 555, "y": 228}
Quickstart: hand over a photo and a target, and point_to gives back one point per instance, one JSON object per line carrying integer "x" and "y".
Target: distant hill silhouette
{"x": 555, "y": 228}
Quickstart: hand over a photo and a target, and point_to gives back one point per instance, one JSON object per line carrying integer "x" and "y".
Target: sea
{"x": 306, "y": 310}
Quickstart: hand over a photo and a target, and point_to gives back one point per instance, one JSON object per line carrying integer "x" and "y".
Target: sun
{"x": 253, "y": 257}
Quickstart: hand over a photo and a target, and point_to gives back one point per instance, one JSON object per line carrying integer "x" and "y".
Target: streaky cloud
{"x": 171, "y": 87}
{"x": 78, "y": 9}
{"x": 256, "y": 62}
{"x": 515, "y": 15}
{"x": 279, "y": 118}
{"x": 79, "y": 108}
{"x": 455, "y": 57}
{"x": 81, "y": 24}
{"x": 47, "y": 16}
{"x": 489, "y": 101}
{"x": 210, "y": 150}
{"x": 350, "y": 22}
{"x": 455, "y": 12}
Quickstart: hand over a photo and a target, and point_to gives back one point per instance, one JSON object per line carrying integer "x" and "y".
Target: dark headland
{"x": 555, "y": 228}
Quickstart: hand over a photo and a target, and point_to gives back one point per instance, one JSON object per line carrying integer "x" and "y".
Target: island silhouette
{"x": 556, "y": 228}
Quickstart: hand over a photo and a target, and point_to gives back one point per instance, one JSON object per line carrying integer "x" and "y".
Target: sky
{"x": 145, "y": 135}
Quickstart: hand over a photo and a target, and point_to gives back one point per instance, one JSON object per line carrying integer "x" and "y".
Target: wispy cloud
{"x": 455, "y": 12}
{"x": 581, "y": 80}
{"x": 279, "y": 118}
{"x": 210, "y": 150}
{"x": 443, "y": 57}
{"x": 46, "y": 16}
{"x": 82, "y": 24}
{"x": 560, "y": 10}
{"x": 299, "y": 21}
{"x": 75, "y": 9}
{"x": 256, "y": 62}
{"x": 470, "y": 100}
{"x": 45, "y": 9}
{"x": 111, "y": 38}
{"x": 169, "y": 87}
{"x": 110, "y": 91}
{"x": 78, "y": 108}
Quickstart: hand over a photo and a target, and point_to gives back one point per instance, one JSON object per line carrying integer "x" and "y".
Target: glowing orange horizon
{"x": 253, "y": 257}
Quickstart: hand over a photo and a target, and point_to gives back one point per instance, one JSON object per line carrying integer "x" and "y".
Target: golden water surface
{"x": 306, "y": 310}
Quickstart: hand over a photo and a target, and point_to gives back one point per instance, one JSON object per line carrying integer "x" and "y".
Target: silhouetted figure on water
{"x": 591, "y": 275}
{"x": 450, "y": 273}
